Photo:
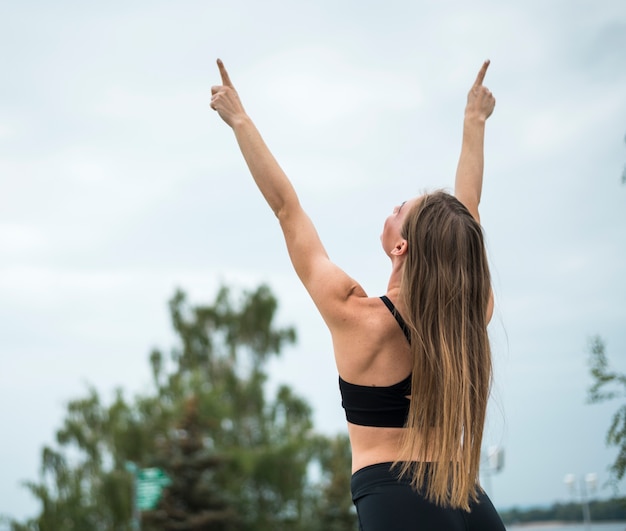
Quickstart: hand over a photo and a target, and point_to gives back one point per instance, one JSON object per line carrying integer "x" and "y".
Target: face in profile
{"x": 391, "y": 236}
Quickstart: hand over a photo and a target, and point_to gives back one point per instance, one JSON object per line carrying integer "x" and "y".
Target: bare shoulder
{"x": 338, "y": 297}
{"x": 351, "y": 313}
{"x": 368, "y": 343}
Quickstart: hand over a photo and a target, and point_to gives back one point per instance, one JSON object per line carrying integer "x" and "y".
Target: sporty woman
{"x": 414, "y": 365}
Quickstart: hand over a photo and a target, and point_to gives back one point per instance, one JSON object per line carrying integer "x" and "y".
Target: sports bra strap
{"x": 399, "y": 319}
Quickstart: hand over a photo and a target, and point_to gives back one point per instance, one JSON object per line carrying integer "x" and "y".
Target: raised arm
{"x": 268, "y": 175}
{"x": 469, "y": 174}
{"x": 326, "y": 283}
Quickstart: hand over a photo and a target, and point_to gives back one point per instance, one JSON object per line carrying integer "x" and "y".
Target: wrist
{"x": 474, "y": 118}
{"x": 240, "y": 121}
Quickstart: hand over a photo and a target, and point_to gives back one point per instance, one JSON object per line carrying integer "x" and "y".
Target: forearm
{"x": 468, "y": 186}
{"x": 266, "y": 172}
{"x": 469, "y": 175}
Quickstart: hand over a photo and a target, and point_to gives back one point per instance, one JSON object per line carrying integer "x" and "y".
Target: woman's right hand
{"x": 480, "y": 101}
{"x": 225, "y": 100}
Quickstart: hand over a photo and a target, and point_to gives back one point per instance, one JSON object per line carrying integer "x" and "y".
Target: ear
{"x": 400, "y": 248}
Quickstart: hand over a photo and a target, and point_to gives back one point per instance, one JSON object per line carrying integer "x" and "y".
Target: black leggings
{"x": 386, "y": 503}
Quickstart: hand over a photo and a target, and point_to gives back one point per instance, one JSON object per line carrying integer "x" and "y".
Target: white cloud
{"x": 318, "y": 86}
{"x": 6, "y": 131}
{"x": 571, "y": 117}
{"x": 17, "y": 238}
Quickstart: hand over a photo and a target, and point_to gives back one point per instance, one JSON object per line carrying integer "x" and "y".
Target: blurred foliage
{"x": 237, "y": 460}
{"x": 601, "y": 511}
{"x": 609, "y": 385}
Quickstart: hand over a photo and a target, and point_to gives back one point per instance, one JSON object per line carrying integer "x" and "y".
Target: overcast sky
{"x": 119, "y": 184}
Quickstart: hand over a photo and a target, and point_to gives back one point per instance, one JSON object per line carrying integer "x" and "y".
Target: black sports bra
{"x": 383, "y": 407}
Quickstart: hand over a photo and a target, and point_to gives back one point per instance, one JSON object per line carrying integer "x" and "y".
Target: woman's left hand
{"x": 225, "y": 100}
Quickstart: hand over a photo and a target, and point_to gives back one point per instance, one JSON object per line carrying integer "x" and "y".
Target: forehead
{"x": 410, "y": 203}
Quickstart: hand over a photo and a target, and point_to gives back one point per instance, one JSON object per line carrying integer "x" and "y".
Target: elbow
{"x": 281, "y": 210}
{"x": 285, "y": 206}
{"x": 284, "y": 211}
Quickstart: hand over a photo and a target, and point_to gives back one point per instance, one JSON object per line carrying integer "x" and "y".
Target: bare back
{"x": 371, "y": 350}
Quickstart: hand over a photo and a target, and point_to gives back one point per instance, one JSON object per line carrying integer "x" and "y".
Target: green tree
{"x": 237, "y": 459}
{"x": 335, "y": 511}
{"x": 602, "y": 511}
{"x": 609, "y": 385}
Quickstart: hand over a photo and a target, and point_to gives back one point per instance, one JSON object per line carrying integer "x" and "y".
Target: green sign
{"x": 150, "y": 484}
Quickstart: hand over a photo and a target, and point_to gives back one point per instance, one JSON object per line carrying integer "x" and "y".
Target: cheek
{"x": 388, "y": 230}
{"x": 385, "y": 227}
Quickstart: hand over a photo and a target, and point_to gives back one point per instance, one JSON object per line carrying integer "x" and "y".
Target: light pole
{"x": 583, "y": 488}
{"x": 493, "y": 462}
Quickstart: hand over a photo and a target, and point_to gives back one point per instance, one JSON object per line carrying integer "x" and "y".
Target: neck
{"x": 393, "y": 286}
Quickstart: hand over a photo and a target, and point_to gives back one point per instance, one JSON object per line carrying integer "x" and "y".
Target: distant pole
{"x": 494, "y": 462}
{"x": 136, "y": 515}
{"x": 584, "y": 488}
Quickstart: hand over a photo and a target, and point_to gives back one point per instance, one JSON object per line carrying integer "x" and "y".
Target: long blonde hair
{"x": 446, "y": 289}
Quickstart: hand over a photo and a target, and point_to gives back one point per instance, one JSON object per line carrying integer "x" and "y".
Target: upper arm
{"x": 470, "y": 202}
{"x": 328, "y": 285}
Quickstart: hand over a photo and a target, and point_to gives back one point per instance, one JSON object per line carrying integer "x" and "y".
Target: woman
{"x": 414, "y": 365}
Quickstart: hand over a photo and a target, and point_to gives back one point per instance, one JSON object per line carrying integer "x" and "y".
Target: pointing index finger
{"x": 225, "y": 78}
{"x": 481, "y": 73}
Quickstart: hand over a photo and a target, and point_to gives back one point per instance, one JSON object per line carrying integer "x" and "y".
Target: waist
{"x": 371, "y": 478}
{"x": 373, "y": 470}
{"x": 378, "y": 445}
